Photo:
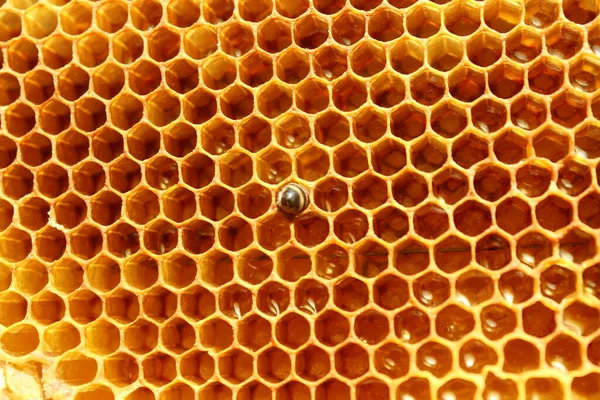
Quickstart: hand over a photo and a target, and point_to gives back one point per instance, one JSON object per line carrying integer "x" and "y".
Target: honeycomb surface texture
{"x": 449, "y": 250}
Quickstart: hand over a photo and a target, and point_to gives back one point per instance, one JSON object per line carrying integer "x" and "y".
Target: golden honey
{"x": 450, "y": 150}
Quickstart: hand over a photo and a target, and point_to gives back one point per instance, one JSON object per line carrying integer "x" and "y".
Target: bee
{"x": 292, "y": 199}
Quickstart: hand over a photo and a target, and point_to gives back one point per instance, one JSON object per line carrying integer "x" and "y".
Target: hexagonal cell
{"x": 331, "y": 262}
{"x": 350, "y": 160}
{"x": 585, "y": 386}
{"x": 331, "y": 328}
{"x": 218, "y": 71}
{"x": 274, "y": 99}
{"x": 177, "y": 335}
{"x": 60, "y": 338}
{"x": 33, "y": 213}
{"x": 15, "y": 244}
{"x": 274, "y": 365}
{"x": 86, "y": 242}
{"x": 50, "y": 243}
{"x": 47, "y": 308}
{"x": 235, "y": 168}
{"x": 411, "y": 257}
{"x": 469, "y": 149}
{"x": 385, "y": 25}
{"x": 554, "y": 213}
{"x": 236, "y": 366}
{"x": 452, "y": 254}
{"x": 330, "y": 194}
{"x": 66, "y": 275}
{"x": 312, "y": 363}
{"x": 369, "y": 125}
{"x": 493, "y": 252}
{"x": 587, "y": 141}
{"x": 162, "y": 108}
{"x": 293, "y": 264}
{"x": 72, "y": 147}
{"x": 472, "y": 218}
{"x": 236, "y": 39}
{"x": 22, "y": 55}
{"x": 30, "y": 276}
{"x": 538, "y": 320}
{"x": 235, "y": 234}
{"x": 475, "y": 355}
{"x": 430, "y": 221}
{"x": 406, "y": 56}
{"x": 178, "y": 270}
{"x": 216, "y": 268}
{"x": 390, "y": 224}
{"x": 159, "y": 304}
{"x": 367, "y": 59}
{"x": 197, "y": 367}
{"x": 350, "y": 294}
{"x": 14, "y": 308}
{"x": 122, "y": 306}
{"x": 159, "y": 369}
{"x": 548, "y": 387}
{"x": 52, "y": 180}
{"x": 488, "y": 115}
{"x": 351, "y": 361}
{"x": 423, "y": 21}
{"x": 254, "y": 134}
{"x": 55, "y": 117}
{"x": 434, "y": 358}
{"x": 427, "y": 87}
{"x": 254, "y": 200}
{"x": 506, "y": 80}
{"x": 38, "y": 87}
{"x": 568, "y": 109}
{"x": 582, "y": 74}
{"x": 293, "y": 65}
{"x": 162, "y": 173}
{"x": 348, "y": 27}
{"x": 511, "y": 147}
{"x": 444, "y": 52}
{"x": 431, "y": 289}
{"x": 311, "y": 229}
{"x": 160, "y": 237}
{"x": 350, "y": 226}
{"x": 274, "y": 35}
{"x": 76, "y": 369}
{"x": 102, "y": 337}
{"x": 236, "y": 102}
{"x": 369, "y": 192}
{"x": 330, "y": 62}
{"x": 181, "y": 76}
{"x": 515, "y": 286}
{"x": 163, "y": 44}
{"x": 124, "y": 174}
{"x": 126, "y": 110}
{"x": 523, "y": 45}
{"x": 545, "y": 76}
{"x": 235, "y": 301}
{"x": 144, "y": 77}
{"x": 143, "y": 328}
{"x": 577, "y": 246}
{"x": 11, "y": 26}
{"x": 349, "y": 93}
{"x": 57, "y": 51}
{"x": 564, "y": 40}
{"x": 491, "y": 182}
{"x": 140, "y": 271}
{"x": 534, "y": 179}
{"x": 254, "y": 332}
{"x": 273, "y": 231}
{"x": 103, "y": 274}
{"x": 454, "y": 322}
{"x": 563, "y": 353}
{"x": 497, "y": 321}
{"x": 312, "y": 96}
{"x": 142, "y": 206}
{"x": 108, "y": 81}
{"x": 8, "y": 151}
{"x": 292, "y": 130}
{"x": 370, "y": 259}
{"x": 121, "y": 369}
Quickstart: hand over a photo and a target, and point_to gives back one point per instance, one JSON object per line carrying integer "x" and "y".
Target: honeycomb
{"x": 449, "y": 250}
